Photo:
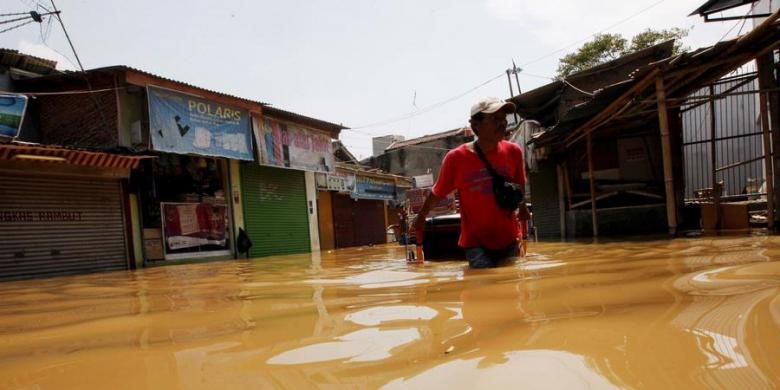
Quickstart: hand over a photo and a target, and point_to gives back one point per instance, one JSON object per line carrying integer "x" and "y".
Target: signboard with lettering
{"x": 186, "y": 124}
{"x": 286, "y": 145}
{"x": 373, "y": 188}
{"x": 12, "y": 109}
{"x": 335, "y": 182}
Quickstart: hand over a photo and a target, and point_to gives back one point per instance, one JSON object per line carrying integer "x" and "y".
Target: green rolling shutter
{"x": 275, "y": 211}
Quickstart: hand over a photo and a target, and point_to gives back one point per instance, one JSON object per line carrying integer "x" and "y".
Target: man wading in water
{"x": 488, "y": 174}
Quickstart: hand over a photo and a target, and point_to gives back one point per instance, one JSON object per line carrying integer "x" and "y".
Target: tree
{"x": 607, "y": 47}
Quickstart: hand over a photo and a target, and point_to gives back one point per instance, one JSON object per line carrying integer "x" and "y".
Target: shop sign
{"x": 186, "y": 124}
{"x": 335, "y": 182}
{"x": 372, "y": 188}
{"x": 40, "y": 216}
{"x": 423, "y": 181}
{"x": 12, "y": 109}
{"x": 188, "y": 225}
{"x": 285, "y": 145}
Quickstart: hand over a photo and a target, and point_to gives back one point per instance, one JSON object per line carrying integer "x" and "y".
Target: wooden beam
{"x": 666, "y": 146}
{"x": 613, "y": 107}
{"x": 713, "y": 160}
{"x": 768, "y": 169}
{"x": 561, "y": 199}
{"x": 592, "y": 186}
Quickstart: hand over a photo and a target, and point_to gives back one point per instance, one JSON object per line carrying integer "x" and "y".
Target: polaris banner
{"x": 186, "y": 124}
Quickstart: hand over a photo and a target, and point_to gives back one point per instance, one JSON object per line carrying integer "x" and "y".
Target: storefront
{"x": 280, "y": 217}
{"x": 62, "y": 211}
{"x": 184, "y": 194}
{"x": 358, "y": 207}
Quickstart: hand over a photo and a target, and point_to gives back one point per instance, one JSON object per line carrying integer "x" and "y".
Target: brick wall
{"x": 79, "y": 120}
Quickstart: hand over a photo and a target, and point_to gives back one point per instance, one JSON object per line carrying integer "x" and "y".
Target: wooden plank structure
{"x": 651, "y": 96}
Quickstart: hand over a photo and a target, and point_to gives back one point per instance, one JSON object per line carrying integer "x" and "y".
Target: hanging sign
{"x": 285, "y": 145}
{"x": 12, "y": 107}
{"x": 186, "y": 124}
{"x": 335, "y": 182}
{"x": 372, "y": 188}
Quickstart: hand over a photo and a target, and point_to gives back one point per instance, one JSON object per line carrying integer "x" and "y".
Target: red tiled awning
{"x": 58, "y": 154}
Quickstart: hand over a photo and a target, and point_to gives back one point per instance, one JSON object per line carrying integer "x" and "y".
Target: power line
{"x": 428, "y": 108}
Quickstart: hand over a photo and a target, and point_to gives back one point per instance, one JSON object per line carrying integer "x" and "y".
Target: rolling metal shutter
{"x": 275, "y": 211}
{"x": 55, "y": 226}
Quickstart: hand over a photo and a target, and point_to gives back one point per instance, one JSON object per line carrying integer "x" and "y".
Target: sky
{"x": 405, "y": 67}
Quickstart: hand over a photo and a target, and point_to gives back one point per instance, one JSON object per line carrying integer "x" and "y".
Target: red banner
{"x": 188, "y": 225}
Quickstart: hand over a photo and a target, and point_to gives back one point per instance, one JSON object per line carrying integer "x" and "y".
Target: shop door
{"x": 358, "y": 222}
{"x": 343, "y": 223}
{"x": 370, "y": 222}
{"x": 55, "y": 226}
{"x": 275, "y": 211}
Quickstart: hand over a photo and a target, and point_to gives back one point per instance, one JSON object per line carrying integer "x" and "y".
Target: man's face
{"x": 492, "y": 126}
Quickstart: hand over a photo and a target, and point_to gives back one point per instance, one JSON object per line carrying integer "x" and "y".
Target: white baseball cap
{"x": 489, "y": 105}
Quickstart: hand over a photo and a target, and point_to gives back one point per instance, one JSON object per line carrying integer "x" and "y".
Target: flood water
{"x": 686, "y": 313}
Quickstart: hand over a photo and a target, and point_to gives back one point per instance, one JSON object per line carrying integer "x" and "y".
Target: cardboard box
{"x": 153, "y": 249}
{"x": 733, "y": 216}
{"x": 152, "y": 233}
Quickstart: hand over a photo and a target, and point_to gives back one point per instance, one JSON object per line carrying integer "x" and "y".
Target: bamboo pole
{"x": 666, "y": 146}
{"x": 592, "y": 187}
{"x": 713, "y": 161}
{"x": 768, "y": 170}
{"x": 561, "y": 200}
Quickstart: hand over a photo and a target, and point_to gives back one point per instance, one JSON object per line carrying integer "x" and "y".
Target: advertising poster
{"x": 11, "y": 114}
{"x": 185, "y": 124}
{"x": 191, "y": 225}
{"x": 287, "y": 146}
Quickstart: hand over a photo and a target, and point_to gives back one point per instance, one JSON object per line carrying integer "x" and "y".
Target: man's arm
{"x": 419, "y": 221}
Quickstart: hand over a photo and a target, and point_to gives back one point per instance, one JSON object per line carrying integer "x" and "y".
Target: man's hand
{"x": 522, "y": 212}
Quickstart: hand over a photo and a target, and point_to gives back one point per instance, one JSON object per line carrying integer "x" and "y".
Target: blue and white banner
{"x": 12, "y": 108}
{"x": 371, "y": 188}
{"x": 186, "y": 124}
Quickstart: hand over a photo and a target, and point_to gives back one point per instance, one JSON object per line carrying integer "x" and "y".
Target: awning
{"x": 19, "y": 151}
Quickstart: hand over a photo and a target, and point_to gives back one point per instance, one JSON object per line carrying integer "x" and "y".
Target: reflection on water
{"x": 684, "y": 313}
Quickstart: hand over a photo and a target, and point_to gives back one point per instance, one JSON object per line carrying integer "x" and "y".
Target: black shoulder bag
{"x": 508, "y": 195}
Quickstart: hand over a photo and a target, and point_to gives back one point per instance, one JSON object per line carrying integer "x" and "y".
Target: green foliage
{"x": 607, "y": 47}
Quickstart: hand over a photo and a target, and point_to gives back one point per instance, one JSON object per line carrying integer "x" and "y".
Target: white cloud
{"x": 43, "y": 51}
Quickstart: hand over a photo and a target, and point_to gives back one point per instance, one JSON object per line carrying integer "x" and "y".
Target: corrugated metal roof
{"x": 710, "y": 63}
{"x": 13, "y": 58}
{"x": 539, "y": 104}
{"x": 14, "y": 150}
{"x": 713, "y": 6}
{"x": 307, "y": 120}
{"x": 431, "y": 137}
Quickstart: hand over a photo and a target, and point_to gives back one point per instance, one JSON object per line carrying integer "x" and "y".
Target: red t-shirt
{"x": 482, "y": 222}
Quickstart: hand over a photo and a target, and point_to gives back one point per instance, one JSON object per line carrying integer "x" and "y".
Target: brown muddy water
{"x": 687, "y": 313}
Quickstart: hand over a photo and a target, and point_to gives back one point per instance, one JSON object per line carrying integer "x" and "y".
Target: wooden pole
{"x": 561, "y": 199}
{"x": 666, "y": 147}
{"x": 768, "y": 171}
{"x": 713, "y": 161}
{"x": 567, "y": 184}
{"x": 592, "y": 187}
{"x": 768, "y": 109}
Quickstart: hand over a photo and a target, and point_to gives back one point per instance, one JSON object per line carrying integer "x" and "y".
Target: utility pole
{"x": 513, "y": 70}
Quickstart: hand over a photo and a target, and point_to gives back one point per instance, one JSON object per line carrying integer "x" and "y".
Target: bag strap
{"x": 485, "y": 160}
